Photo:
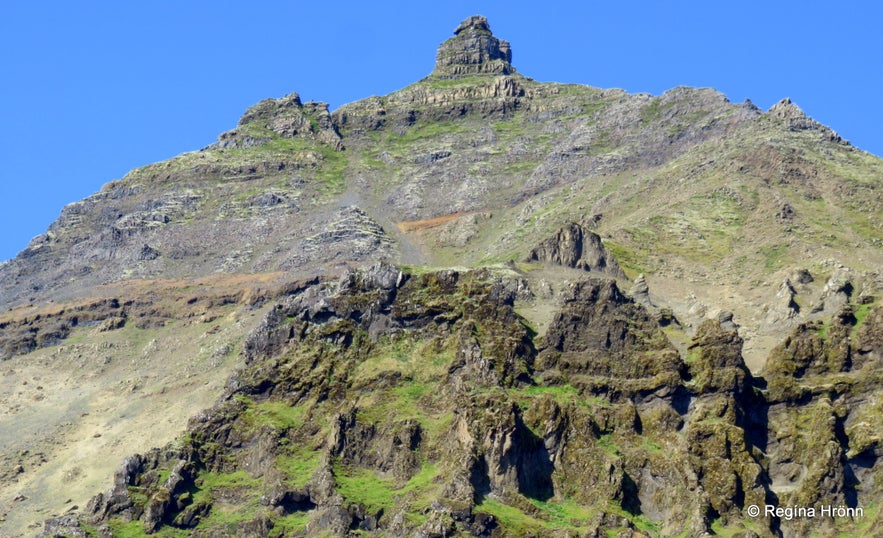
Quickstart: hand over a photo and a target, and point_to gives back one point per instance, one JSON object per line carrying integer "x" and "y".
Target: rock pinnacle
{"x": 473, "y": 51}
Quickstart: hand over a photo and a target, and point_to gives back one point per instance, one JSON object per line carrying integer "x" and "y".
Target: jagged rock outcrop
{"x": 473, "y": 51}
{"x": 575, "y": 246}
{"x": 366, "y": 399}
{"x": 64, "y": 526}
{"x": 599, "y": 332}
{"x": 350, "y": 233}
{"x": 818, "y": 348}
{"x": 717, "y": 431}
{"x": 837, "y": 292}
{"x": 784, "y": 307}
{"x": 640, "y": 291}
{"x": 795, "y": 119}
{"x": 287, "y": 117}
{"x": 822, "y": 452}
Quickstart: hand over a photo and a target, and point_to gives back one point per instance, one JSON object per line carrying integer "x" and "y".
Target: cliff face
{"x": 473, "y": 50}
{"x": 397, "y": 404}
{"x": 410, "y": 314}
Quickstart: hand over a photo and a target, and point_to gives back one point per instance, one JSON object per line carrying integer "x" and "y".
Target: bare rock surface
{"x": 575, "y": 246}
{"x": 473, "y": 50}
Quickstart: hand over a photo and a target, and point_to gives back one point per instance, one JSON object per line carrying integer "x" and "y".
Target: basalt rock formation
{"x": 397, "y": 404}
{"x": 574, "y": 246}
{"x": 473, "y": 50}
{"x": 399, "y": 318}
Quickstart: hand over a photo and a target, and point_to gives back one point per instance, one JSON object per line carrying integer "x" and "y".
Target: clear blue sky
{"x": 92, "y": 89}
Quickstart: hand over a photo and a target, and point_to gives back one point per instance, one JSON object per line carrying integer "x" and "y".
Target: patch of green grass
{"x": 720, "y": 530}
{"x": 91, "y": 531}
{"x": 860, "y": 312}
{"x": 553, "y": 515}
{"x": 423, "y": 479}
{"x": 626, "y": 258}
{"x": 126, "y": 529}
{"x": 563, "y": 394}
{"x": 565, "y": 513}
{"x": 331, "y": 171}
{"x": 292, "y": 523}
{"x": 773, "y": 256}
{"x": 514, "y": 521}
{"x": 641, "y": 522}
{"x": 209, "y": 483}
{"x": 410, "y": 400}
{"x": 415, "y": 359}
{"x": 442, "y": 83}
{"x": 137, "y": 495}
{"x": 412, "y": 391}
{"x": 170, "y": 532}
{"x": 865, "y": 525}
{"x": 822, "y": 331}
{"x": 396, "y": 143}
{"x": 163, "y": 475}
{"x": 373, "y": 163}
{"x": 653, "y": 111}
{"x": 226, "y": 518}
{"x": 607, "y": 443}
{"x": 278, "y": 414}
{"x": 650, "y": 446}
{"x": 364, "y": 486}
{"x": 135, "y": 529}
{"x": 675, "y": 335}
{"x": 521, "y": 167}
{"x": 299, "y": 466}
{"x": 421, "y": 490}
{"x": 228, "y": 522}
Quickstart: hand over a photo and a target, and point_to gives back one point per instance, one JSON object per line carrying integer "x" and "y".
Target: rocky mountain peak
{"x": 786, "y": 109}
{"x": 476, "y": 23}
{"x": 795, "y": 119}
{"x": 473, "y": 51}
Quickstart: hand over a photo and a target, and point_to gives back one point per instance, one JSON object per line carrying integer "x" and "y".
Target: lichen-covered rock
{"x": 815, "y": 348}
{"x": 397, "y": 403}
{"x": 867, "y": 343}
{"x": 716, "y": 362}
{"x": 601, "y": 332}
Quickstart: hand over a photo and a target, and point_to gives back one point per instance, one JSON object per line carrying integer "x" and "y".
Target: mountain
{"x": 480, "y": 305}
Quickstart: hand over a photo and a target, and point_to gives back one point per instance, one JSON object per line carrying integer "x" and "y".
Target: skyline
{"x": 96, "y": 90}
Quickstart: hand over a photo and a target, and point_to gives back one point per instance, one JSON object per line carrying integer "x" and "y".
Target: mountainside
{"x": 480, "y": 305}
